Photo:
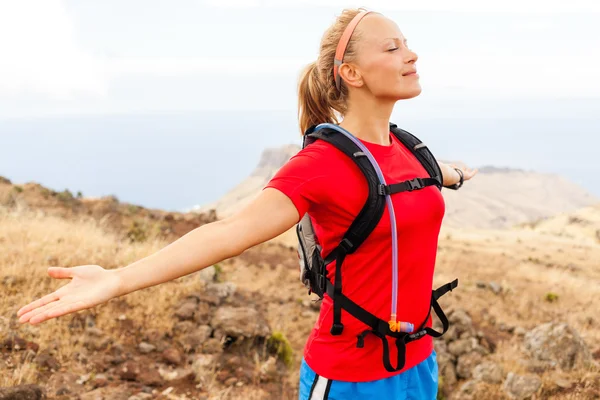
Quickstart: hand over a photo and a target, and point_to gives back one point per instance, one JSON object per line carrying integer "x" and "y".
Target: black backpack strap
{"x": 381, "y": 328}
{"x": 371, "y": 213}
{"x": 421, "y": 152}
{"x": 407, "y": 186}
{"x": 365, "y": 222}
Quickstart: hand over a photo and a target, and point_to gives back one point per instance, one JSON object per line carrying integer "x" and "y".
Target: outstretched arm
{"x": 269, "y": 215}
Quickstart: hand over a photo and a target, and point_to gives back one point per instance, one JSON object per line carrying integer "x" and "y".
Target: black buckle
{"x": 336, "y": 329}
{"x": 383, "y": 190}
{"x": 346, "y": 245}
{"x": 415, "y": 184}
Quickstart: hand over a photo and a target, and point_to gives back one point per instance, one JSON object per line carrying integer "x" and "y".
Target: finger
{"x": 57, "y": 311}
{"x": 38, "y": 303}
{"x": 27, "y": 316}
{"x": 60, "y": 273}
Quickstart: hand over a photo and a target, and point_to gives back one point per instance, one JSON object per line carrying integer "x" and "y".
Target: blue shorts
{"x": 417, "y": 383}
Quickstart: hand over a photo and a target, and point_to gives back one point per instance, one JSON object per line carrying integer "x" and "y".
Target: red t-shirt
{"x": 323, "y": 181}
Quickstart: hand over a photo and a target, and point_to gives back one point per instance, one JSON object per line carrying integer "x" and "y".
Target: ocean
{"x": 174, "y": 161}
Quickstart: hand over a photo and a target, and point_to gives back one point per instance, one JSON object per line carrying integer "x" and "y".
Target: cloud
{"x": 219, "y": 66}
{"x": 40, "y": 54}
{"x": 519, "y": 6}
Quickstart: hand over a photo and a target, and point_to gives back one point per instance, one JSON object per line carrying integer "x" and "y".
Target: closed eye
{"x": 393, "y": 49}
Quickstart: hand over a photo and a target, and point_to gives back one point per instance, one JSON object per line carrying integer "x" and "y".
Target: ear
{"x": 351, "y": 75}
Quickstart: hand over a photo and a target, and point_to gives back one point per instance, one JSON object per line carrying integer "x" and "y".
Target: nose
{"x": 410, "y": 57}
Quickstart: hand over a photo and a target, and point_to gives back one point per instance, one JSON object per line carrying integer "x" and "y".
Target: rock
{"x": 460, "y": 317}
{"x": 129, "y": 371}
{"x": 216, "y": 293}
{"x": 194, "y": 340}
{"x": 446, "y": 366}
{"x": 207, "y": 274}
{"x": 481, "y": 285}
{"x": 488, "y": 372}
{"x": 562, "y": 383}
{"x": 100, "y": 380}
{"x": 150, "y": 376}
{"x": 84, "y": 378}
{"x": 467, "y": 390}
{"x": 172, "y": 356}
{"x": 93, "y": 331}
{"x": 461, "y": 326}
{"x": 495, "y": 287}
{"x": 519, "y": 331}
{"x": 63, "y": 383}
{"x": 146, "y": 348}
{"x": 186, "y": 310}
{"x": 558, "y": 344}
{"x": 203, "y": 366}
{"x": 461, "y": 346}
{"x": 537, "y": 366}
{"x": 521, "y": 386}
{"x": 203, "y": 313}
{"x": 14, "y": 343}
{"x": 95, "y": 339}
{"x": 240, "y": 321}
{"x": 212, "y": 346}
{"x": 269, "y": 371}
{"x": 182, "y": 327}
{"x": 466, "y": 363}
{"x": 47, "y": 361}
{"x": 22, "y": 392}
{"x": 179, "y": 373}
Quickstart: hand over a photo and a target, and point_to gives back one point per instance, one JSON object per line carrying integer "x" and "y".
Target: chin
{"x": 409, "y": 94}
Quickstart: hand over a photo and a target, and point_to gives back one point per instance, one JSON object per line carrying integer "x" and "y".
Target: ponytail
{"x": 313, "y": 105}
{"x": 319, "y": 100}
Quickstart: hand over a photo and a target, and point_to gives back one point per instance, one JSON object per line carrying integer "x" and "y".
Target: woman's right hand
{"x": 90, "y": 285}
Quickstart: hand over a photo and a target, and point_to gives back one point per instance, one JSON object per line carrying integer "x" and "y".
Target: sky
{"x": 74, "y": 57}
{"x": 108, "y": 86}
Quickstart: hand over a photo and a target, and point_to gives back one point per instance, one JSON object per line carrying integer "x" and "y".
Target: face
{"x": 384, "y": 63}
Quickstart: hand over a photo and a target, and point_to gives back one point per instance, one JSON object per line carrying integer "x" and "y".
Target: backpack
{"x": 313, "y": 266}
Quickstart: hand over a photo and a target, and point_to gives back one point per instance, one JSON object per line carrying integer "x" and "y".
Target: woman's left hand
{"x": 468, "y": 173}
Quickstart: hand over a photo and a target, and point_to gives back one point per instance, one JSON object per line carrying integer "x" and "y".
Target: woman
{"x": 376, "y": 69}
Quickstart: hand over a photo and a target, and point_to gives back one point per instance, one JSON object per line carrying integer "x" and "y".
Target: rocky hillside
{"x": 496, "y": 198}
{"x": 134, "y": 222}
{"x": 524, "y": 320}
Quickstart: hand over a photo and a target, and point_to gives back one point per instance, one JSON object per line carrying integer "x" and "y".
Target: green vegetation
{"x": 551, "y": 297}
{"x": 136, "y": 232}
{"x": 278, "y": 344}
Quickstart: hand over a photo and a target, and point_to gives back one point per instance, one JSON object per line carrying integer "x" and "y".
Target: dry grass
{"x": 528, "y": 264}
{"x": 30, "y": 242}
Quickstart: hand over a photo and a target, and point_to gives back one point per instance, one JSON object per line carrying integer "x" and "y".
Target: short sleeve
{"x": 302, "y": 178}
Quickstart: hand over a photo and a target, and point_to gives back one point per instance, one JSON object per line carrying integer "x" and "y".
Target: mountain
{"x": 495, "y": 198}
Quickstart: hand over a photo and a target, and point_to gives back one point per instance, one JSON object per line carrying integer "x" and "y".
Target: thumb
{"x": 60, "y": 273}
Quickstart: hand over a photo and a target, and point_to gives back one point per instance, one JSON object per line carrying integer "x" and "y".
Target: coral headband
{"x": 343, "y": 43}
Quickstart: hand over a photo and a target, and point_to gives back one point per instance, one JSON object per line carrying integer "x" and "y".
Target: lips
{"x": 413, "y": 72}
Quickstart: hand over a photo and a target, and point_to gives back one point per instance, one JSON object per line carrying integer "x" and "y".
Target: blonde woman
{"x": 364, "y": 67}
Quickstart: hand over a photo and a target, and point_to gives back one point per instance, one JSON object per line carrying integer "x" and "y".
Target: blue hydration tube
{"x": 394, "y": 325}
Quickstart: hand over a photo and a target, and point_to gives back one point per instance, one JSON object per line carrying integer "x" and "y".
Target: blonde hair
{"x": 318, "y": 97}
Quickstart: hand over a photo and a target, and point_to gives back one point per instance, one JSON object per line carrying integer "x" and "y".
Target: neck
{"x": 369, "y": 121}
